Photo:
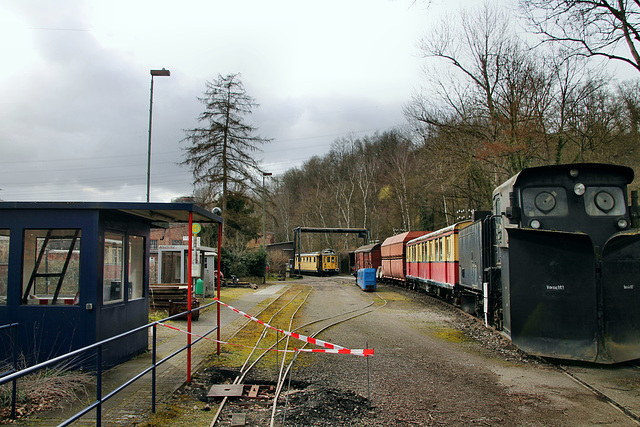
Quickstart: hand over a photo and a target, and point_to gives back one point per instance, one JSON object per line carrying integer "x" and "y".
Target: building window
{"x": 113, "y": 272}
{"x": 51, "y": 267}
{"x": 154, "y": 244}
{"x": 135, "y": 267}
{"x": 4, "y": 265}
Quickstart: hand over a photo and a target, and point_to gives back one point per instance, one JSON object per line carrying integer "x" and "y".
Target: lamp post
{"x": 264, "y": 232}
{"x": 154, "y": 73}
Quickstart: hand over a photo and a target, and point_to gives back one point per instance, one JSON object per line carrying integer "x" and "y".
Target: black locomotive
{"x": 556, "y": 265}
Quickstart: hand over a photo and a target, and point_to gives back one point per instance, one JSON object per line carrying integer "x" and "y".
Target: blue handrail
{"x": 14, "y": 374}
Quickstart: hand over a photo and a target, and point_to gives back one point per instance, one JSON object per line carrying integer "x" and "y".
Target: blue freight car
{"x": 366, "y": 279}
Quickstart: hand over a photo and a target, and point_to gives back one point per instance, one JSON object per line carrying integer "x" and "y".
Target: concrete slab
{"x": 238, "y": 419}
{"x": 229, "y": 390}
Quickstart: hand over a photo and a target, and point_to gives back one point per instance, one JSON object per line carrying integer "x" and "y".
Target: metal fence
{"x": 14, "y": 374}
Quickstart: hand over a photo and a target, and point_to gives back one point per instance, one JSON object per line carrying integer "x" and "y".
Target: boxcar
{"x": 393, "y": 252}
{"x": 368, "y": 256}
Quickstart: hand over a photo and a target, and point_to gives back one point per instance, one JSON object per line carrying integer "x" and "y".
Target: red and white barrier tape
{"x": 328, "y": 347}
{"x": 226, "y": 342}
{"x": 356, "y": 352}
{"x": 304, "y": 338}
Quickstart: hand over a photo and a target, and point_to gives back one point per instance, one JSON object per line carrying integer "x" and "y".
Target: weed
{"x": 46, "y": 389}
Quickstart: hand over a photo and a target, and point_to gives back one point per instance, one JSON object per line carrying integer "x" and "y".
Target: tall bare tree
{"x": 593, "y": 28}
{"x": 484, "y": 100}
{"x": 219, "y": 152}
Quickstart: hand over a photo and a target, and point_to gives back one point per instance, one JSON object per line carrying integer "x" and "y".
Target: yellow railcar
{"x": 321, "y": 263}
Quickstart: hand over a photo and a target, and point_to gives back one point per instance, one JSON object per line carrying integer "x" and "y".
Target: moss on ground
{"x": 182, "y": 410}
{"x": 452, "y": 335}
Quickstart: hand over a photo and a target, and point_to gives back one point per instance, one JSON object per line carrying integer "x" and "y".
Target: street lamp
{"x": 264, "y": 232}
{"x": 154, "y": 73}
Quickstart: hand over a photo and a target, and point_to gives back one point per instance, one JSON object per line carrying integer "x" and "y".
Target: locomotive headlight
{"x": 579, "y": 189}
{"x": 534, "y": 224}
{"x": 622, "y": 223}
{"x": 573, "y": 173}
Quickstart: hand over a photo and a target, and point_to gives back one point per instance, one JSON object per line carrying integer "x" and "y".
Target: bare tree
{"x": 592, "y": 28}
{"x": 485, "y": 106}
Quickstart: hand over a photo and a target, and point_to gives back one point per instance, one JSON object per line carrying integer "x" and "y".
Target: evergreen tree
{"x": 219, "y": 152}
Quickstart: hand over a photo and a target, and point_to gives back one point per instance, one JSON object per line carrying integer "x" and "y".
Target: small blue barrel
{"x": 366, "y": 279}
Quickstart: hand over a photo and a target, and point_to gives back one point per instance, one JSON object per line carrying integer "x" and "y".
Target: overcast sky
{"x": 74, "y": 84}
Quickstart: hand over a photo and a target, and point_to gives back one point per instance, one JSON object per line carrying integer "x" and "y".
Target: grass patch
{"x": 47, "y": 389}
{"x": 155, "y": 315}
{"x": 182, "y": 411}
{"x": 451, "y": 335}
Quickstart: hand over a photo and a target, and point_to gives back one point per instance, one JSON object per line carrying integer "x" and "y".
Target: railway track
{"x": 294, "y": 299}
{"x": 615, "y": 384}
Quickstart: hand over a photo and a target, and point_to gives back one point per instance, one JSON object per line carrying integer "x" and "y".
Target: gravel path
{"x": 433, "y": 366}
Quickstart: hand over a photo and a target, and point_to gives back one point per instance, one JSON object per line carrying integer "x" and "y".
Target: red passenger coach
{"x": 393, "y": 252}
{"x": 432, "y": 259}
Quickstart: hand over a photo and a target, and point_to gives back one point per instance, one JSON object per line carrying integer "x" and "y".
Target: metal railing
{"x": 15, "y": 374}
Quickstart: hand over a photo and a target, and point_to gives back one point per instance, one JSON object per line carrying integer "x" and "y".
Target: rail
{"x": 13, "y": 375}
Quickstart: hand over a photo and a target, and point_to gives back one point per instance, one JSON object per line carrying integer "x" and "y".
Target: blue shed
{"x": 72, "y": 274}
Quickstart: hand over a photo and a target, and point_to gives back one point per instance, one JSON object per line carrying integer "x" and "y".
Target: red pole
{"x": 218, "y": 278}
{"x": 190, "y": 278}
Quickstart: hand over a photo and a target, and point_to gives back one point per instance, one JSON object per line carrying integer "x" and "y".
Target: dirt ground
{"x": 433, "y": 366}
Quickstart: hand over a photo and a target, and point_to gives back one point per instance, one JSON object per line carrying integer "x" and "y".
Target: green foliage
{"x": 241, "y": 218}
{"x": 243, "y": 263}
{"x": 242, "y": 223}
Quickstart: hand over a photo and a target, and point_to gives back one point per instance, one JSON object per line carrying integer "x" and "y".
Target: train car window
{"x": 432, "y": 250}
{"x": 4, "y": 265}
{"x": 544, "y": 201}
{"x": 497, "y": 212}
{"x": 604, "y": 201}
{"x": 445, "y": 248}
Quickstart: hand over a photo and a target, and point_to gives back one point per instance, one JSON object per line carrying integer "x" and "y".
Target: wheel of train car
{"x": 468, "y": 304}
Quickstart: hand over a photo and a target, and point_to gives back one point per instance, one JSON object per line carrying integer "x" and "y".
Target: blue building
{"x": 72, "y": 274}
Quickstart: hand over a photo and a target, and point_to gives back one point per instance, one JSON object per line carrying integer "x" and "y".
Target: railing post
{"x": 14, "y": 385}
{"x": 99, "y": 386}
{"x": 190, "y": 282}
{"x": 153, "y": 369}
